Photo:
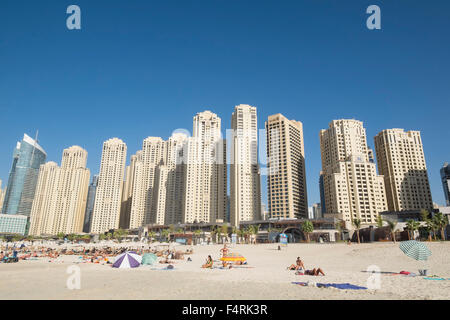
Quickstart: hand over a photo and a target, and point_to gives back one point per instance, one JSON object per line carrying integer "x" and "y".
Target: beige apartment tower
{"x": 108, "y": 198}
{"x": 59, "y": 204}
{"x": 352, "y": 188}
{"x": 286, "y": 180}
{"x": 205, "y": 188}
{"x": 2, "y": 196}
{"x": 401, "y": 161}
{"x": 158, "y": 186}
{"x": 245, "y": 185}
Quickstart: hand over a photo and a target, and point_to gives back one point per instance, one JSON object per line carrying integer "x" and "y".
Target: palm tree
{"x": 357, "y": 224}
{"x": 197, "y": 234}
{"x": 380, "y": 221}
{"x": 391, "y": 226}
{"x": 424, "y": 214}
{"x": 409, "y": 227}
{"x": 151, "y": 235}
{"x": 165, "y": 234}
{"x": 60, "y": 235}
{"x": 429, "y": 226}
{"x": 412, "y": 226}
{"x": 338, "y": 226}
{"x": 307, "y": 228}
{"x": 441, "y": 222}
{"x": 241, "y": 233}
{"x": 224, "y": 230}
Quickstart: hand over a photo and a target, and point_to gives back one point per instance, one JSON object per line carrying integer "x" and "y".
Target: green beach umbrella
{"x": 149, "y": 258}
{"x": 415, "y": 249}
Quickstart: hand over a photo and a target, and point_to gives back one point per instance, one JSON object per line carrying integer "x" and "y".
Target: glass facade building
{"x": 90, "y": 204}
{"x": 27, "y": 158}
{"x": 13, "y": 224}
{"x": 445, "y": 177}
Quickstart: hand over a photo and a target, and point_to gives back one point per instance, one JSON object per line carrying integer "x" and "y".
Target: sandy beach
{"x": 264, "y": 277}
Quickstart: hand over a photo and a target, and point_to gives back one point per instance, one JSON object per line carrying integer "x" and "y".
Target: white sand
{"x": 268, "y": 279}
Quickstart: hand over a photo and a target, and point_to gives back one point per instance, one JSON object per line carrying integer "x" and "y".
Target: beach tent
{"x": 128, "y": 259}
{"x": 149, "y": 259}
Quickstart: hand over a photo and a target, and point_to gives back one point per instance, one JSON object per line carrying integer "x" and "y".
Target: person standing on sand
{"x": 224, "y": 250}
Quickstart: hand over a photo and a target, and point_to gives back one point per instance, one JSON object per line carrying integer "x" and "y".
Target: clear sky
{"x": 145, "y": 68}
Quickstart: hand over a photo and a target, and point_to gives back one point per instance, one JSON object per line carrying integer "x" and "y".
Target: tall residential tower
{"x": 108, "y": 198}
{"x": 245, "y": 186}
{"x": 352, "y": 189}
{"x": 401, "y": 161}
{"x": 286, "y": 182}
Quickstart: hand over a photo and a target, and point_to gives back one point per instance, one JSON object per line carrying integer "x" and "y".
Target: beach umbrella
{"x": 233, "y": 257}
{"x": 128, "y": 259}
{"x": 415, "y": 249}
{"x": 149, "y": 258}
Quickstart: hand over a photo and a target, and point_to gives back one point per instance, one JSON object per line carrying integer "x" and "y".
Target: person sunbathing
{"x": 298, "y": 265}
{"x": 314, "y": 272}
{"x": 209, "y": 263}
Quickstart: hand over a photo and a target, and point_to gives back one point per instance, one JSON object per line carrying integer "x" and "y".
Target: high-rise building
{"x": 401, "y": 161}
{"x": 445, "y": 177}
{"x": 158, "y": 184}
{"x": 127, "y": 193}
{"x": 2, "y": 196}
{"x": 60, "y": 200}
{"x": 27, "y": 158}
{"x": 147, "y": 161}
{"x": 286, "y": 182}
{"x": 317, "y": 211}
{"x": 90, "y": 204}
{"x": 323, "y": 208}
{"x": 108, "y": 198}
{"x": 352, "y": 188}
{"x": 245, "y": 185}
{"x": 206, "y": 171}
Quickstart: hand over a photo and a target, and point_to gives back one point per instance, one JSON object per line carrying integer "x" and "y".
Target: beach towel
{"x": 342, "y": 286}
{"x": 433, "y": 278}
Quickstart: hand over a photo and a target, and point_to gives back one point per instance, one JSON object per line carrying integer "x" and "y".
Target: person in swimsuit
{"x": 298, "y": 265}
{"x": 314, "y": 272}
{"x": 224, "y": 250}
{"x": 209, "y": 263}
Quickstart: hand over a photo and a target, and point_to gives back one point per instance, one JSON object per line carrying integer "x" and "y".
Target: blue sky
{"x": 145, "y": 68}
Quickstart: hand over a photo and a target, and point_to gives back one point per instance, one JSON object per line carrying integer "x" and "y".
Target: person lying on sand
{"x": 314, "y": 272}
{"x": 209, "y": 263}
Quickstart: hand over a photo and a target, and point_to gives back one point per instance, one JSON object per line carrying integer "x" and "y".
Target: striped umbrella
{"x": 128, "y": 259}
{"x": 415, "y": 249}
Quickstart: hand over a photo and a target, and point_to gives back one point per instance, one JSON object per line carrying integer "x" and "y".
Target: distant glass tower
{"x": 323, "y": 209}
{"x": 27, "y": 158}
{"x": 90, "y": 204}
{"x": 445, "y": 176}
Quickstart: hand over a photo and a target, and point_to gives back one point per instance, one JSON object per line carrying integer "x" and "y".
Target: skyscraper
{"x": 245, "y": 185}
{"x": 206, "y": 171}
{"x": 286, "y": 182}
{"x": 60, "y": 199}
{"x": 108, "y": 198}
{"x": 90, "y": 204}
{"x": 401, "y": 161}
{"x": 127, "y": 193}
{"x": 352, "y": 188}
{"x": 27, "y": 158}
{"x": 445, "y": 177}
{"x": 147, "y": 161}
{"x": 2, "y": 196}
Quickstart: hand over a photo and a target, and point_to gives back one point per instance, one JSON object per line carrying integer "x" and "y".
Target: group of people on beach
{"x": 301, "y": 270}
{"x": 224, "y": 253}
